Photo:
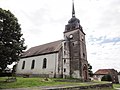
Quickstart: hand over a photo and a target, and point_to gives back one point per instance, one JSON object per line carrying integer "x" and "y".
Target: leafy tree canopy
{"x": 90, "y": 72}
{"x": 11, "y": 41}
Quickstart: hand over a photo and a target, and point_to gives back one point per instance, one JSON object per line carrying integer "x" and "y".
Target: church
{"x": 65, "y": 58}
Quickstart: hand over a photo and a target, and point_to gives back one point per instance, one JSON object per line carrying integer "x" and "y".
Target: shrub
{"x": 106, "y": 78}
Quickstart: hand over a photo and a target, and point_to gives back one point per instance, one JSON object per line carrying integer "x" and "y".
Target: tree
{"x": 90, "y": 70}
{"x": 11, "y": 41}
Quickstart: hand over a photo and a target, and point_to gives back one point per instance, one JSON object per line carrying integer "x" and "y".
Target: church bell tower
{"x": 75, "y": 62}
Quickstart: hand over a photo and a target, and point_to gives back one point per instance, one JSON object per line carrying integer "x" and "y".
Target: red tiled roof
{"x": 105, "y": 71}
{"x": 43, "y": 49}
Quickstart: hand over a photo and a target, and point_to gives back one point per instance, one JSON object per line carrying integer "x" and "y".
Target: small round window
{"x": 71, "y": 36}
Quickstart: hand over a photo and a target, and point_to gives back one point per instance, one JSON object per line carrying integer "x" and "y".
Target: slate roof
{"x": 43, "y": 49}
{"x": 105, "y": 71}
{"x": 119, "y": 73}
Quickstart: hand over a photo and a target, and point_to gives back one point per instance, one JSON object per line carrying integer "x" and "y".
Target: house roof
{"x": 105, "y": 71}
{"x": 119, "y": 73}
{"x": 43, "y": 49}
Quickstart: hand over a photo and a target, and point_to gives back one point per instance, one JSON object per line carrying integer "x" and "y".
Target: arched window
{"x": 64, "y": 69}
{"x": 44, "y": 63}
{"x": 23, "y": 65}
{"x": 33, "y": 64}
{"x": 64, "y": 61}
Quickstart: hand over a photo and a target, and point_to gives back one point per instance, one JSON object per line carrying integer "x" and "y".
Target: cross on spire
{"x": 73, "y": 9}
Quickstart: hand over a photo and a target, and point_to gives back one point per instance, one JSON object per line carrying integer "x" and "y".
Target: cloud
{"x": 103, "y": 34}
{"x": 114, "y": 40}
{"x": 103, "y": 40}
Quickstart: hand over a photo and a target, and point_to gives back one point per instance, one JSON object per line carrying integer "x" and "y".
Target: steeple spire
{"x": 73, "y": 9}
{"x": 73, "y": 23}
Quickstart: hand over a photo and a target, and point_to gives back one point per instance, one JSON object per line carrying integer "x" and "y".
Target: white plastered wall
{"x": 119, "y": 78}
{"x": 51, "y": 69}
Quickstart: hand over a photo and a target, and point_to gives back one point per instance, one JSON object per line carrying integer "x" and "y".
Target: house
{"x": 99, "y": 75}
{"x": 63, "y": 58}
{"x": 119, "y": 77}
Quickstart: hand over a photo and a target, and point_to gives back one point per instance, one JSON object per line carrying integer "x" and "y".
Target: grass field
{"x": 28, "y": 82}
{"x": 35, "y": 82}
{"x": 116, "y": 85}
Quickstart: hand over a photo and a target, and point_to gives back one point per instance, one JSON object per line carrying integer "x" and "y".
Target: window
{"x": 44, "y": 63}
{"x": 82, "y": 38}
{"x": 64, "y": 52}
{"x": 64, "y": 61}
{"x": 58, "y": 69}
{"x": 73, "y": 44}
{"x": 83, "y": 54}
{"x": 64, "y": 69}
{"x": 23, "y": 65}
{"x": 33, "y": 64}
{"x": 64, "y": 44}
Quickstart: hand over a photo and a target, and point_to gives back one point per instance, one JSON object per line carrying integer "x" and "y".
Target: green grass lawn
{"x": 30, "y": 82}
{"x": 35, "y": 82}
{"x": 116, "y": 85}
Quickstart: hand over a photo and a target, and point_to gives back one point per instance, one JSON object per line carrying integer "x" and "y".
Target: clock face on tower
{"x": 71, "y": 36}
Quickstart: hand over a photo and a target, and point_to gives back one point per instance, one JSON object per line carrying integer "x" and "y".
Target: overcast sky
{"x": 44, "y": 21}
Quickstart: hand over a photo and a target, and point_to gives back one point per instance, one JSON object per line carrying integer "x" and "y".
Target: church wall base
{"x": 40, "y": 75}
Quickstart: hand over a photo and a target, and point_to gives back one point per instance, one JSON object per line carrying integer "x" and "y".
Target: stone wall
{"x": 96, "y": 87}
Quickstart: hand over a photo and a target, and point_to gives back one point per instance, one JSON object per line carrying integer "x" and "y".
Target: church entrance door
{"x": 85, "y": 72}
